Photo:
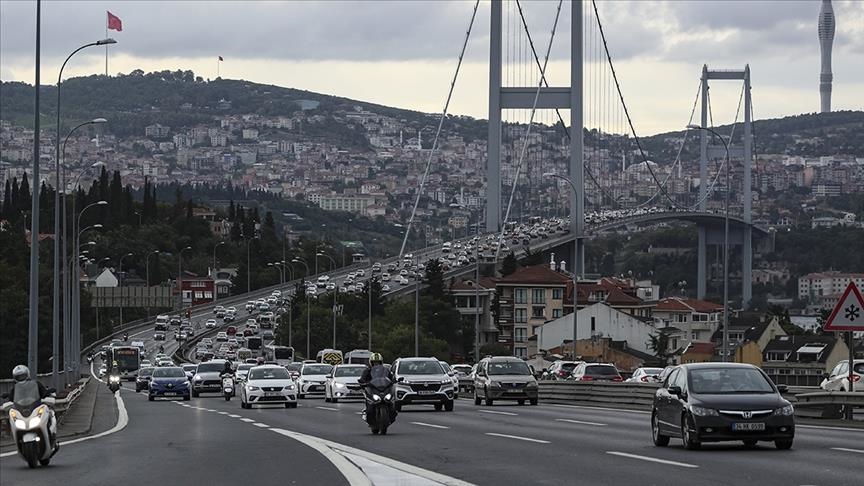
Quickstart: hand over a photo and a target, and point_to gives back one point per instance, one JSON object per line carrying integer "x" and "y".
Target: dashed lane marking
{"x": 328, "y": 408}
{"x": 247, "y": 420}
{"x": 497, "y": 412}
{"x": 580, "y": 422}
{"x": 430, "y": 425}
{"x": 526, "y": 439}
{"x": 259, "y": 424}
{"x": 652, "y": 459}
{"x": 644, "y": 412}
{"x": 844, "y": 449}
{"x": 233, "y": 416}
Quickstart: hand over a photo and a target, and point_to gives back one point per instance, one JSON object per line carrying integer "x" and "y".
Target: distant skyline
{"x": 345, "y": 49}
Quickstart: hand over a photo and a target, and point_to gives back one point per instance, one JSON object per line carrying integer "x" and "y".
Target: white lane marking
{"x": 353, "y": 474}
{"x": 430, "y": 425}
{"x": 328, "y": 408}
{"x": 259, "y": 424}
{"x": 223, "y": 413}
{"x": 827, "y": 427}
{"x": 645, "y": 412}
{"x": 844, "y": 449}
{"x": 122, "y": 421}
{"x": 526, "y": 439}
{"x": 497, "y": 412}
{"x": 651, "y": 459}
{"x": 581, "y": 422}
{"x": 233, "y": 416}
{"x": 247, "y": 420}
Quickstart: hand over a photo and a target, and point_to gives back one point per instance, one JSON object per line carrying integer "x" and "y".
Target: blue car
{"x": 169, "y": 382}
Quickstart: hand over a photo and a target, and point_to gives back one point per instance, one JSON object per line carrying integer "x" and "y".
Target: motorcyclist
{"x": 115, "y": 369}
{"x": 21, "y": 375}
{"x": 376, "y": 367}
{"x": 228, "y": 370}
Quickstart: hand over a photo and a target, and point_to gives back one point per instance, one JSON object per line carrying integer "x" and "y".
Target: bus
{"x": 254, "y": 344}
{"x": 281, "y": 355}
{"x": 128, "y": 360}
{"x": 358, "y": 356}
{"x": 329, "y": 356}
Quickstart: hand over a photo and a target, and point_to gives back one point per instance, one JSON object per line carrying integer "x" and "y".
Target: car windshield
{"x": 729, "y": 380}
{"x": 294, "y": 366}
{"x": 275, "y": 373}
{"x": 191, "y": 367}
{"x": 445, "y": 366}
{"x": 508, "y": 368}
{"x": 349, "y": 370}
{"x": 321, "y": 369}
{"x": 420, "y": 368}
{"x": 651, "y": 371}
{"x": 169, "y": 373}
{"x": 245, "y": 367}
{"x": 599, "y": 370}
{"x": 568, "y": 366}
{"x": 145, "y": 372}
{"x": 208, "y": 367}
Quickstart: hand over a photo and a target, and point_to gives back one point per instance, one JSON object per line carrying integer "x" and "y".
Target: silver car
{"x": 423, "y": 381}
{"x": 313, "y": 376}
{"x": 342, "y": 383}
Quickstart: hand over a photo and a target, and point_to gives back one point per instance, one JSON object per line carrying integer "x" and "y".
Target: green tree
{"x": 509, "y": 264}
{"x": 435, "y": 279}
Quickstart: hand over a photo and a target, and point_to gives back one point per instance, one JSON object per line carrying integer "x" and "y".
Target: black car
{"x": 142, "y": 381}
{"x": 713, "y": 402}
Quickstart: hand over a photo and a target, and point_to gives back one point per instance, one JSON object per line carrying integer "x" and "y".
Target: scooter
{"x": 228, "y": 387}
{"x": 114, "y": 383}
{"x": 380, "y": 404}
{"x": 33, "y": 426}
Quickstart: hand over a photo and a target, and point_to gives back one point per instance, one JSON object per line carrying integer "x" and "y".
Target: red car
{"x": 231, "y": 330}
{"x": 248, "y": 332}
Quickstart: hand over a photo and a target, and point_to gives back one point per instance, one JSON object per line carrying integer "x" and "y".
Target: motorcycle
{"x": 228, "y": 387}
{"x": 114, "y": 383}
{"x": 380, "y": 404}
{"x": 32, "y": 422}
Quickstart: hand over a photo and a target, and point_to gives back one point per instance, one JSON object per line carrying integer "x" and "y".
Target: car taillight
{"x": 586, "y": 378}
{"x": 856, "y": 378}
{"x": 562, "y": 373}
{"x": 618, "y": 378}
{"x": 645, "y": 379}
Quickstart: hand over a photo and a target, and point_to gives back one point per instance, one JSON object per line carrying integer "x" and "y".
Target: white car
{"x": 330, "y": 286}
{"x": 385, "y": 288}
{"x": 210, "y": 324}
{"x": 222, "y": 336}
{"x": 342, "y": 383}
{"x": 313, "y": 376}
{"x": 207, "y": 342}
{"x": 268, "y": 384}
{"x": 250, "y": 306}
{"x": 145, "y": 363}
{"x": 402, "y": 281}
{"x": 644, "y": 375}
{"x": 838, "y": 379}
{"x": 385, "y": 277}
{"x": 231, "y": 310}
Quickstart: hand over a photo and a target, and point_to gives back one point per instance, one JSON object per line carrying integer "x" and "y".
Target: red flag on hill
{"x": 114, "y": 22}
{"x": 220, "y": 58}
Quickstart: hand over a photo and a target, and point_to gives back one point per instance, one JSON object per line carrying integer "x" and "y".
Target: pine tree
{"x": 509, "y": 264}
{"x": 7, "y": 211}
{"x": 15, "y": 204}
{"x": 232, "y": 211}
{"x": 23, "y": 193}
{"x": 145, "y": 204}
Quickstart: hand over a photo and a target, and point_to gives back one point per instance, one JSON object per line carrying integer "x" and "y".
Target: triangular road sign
{"x": 848, "y": 314}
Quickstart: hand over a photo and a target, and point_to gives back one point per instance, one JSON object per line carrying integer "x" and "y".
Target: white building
{"x": 598, "y": 320}
{"x": 813, "y": 286}
{"x": 107, "y": 279}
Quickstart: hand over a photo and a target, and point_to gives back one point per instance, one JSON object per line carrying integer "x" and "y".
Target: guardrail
{"x": 639, "y": 394}
{"x": 61, "y": 405}
{"x": 827, "y": 405}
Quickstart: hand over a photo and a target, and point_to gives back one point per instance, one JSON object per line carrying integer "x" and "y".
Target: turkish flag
{"x": 220, "y": 58}
{"x": 114, "y": 22}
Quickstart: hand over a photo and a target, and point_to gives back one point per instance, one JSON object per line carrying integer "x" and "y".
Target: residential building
{"x": 196, "y": 290}
{"x": 698, "y": 319}
{"x": 815, "y": 285}
{"x": 747, "y": 327}
{"x": 354, "y": 204}
{"x": 156, "y": 131}
{"x": 471, "y": 300}
{"x": 802, "y": 360}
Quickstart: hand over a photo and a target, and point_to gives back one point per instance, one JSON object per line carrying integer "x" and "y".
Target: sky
{"x": 404, "y": 54}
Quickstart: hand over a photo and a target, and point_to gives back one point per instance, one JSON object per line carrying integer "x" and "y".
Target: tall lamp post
{"x": 335, "y": 292}
{"x": 180, "y": 275}
{"x": 290, "y": 307}
{"x": 55, "y": 345}
{"x": 122, "y": 293}
{"x": 725, "y": 243}
{"x": 147, "y": 272}
{"x": 69, "y": 322}
{"x": 575, "y": 260}
{"x": 308, "y": 325}
{"x": 76, "y": 320}
{"x": 278, "y": 266}
{"x": 217, "y": 245}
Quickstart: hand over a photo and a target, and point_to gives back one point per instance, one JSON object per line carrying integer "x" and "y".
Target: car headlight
{"x": 252, "y": 388}
{"x": 289, "y": 387}
{"x": 531, "y": 384}
{"x": 196, "y": 378}
{"x": 20, "y": 424}
{"x": 446, "y": 380}
{"x": 376, "y": 397}
{"x": 787, "y": 410}
{"x": 388, "y": 396}
{"x": 703, "y": 412}
{"x": 495, "y": 384}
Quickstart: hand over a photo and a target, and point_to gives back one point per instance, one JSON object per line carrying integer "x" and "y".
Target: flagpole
{"x": 106, "y": 45}
{"x": 218, "y": 67}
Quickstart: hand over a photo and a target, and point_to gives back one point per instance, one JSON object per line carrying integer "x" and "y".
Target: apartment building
{"x": 813, "y": 286}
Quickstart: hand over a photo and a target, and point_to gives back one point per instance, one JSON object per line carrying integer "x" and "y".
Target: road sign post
{"x": 848, "y": 315}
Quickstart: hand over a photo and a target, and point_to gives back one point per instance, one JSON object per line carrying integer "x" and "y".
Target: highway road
{"x": 217, "y": 442}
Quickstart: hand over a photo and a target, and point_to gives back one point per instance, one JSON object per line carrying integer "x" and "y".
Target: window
{"x": 538, "y": 312}
{"x": 556, "y": 313}
{"x": 521, "y": 352}
{"x": 593, "y": 324}
{"x": 520, "y": 334}
{"x": 538, "y": 296}
{"x": 775, "y": 356}
{"x": 521, "y": 315}
{"x": 520, "y": 296}
{"x": 557, "y": 294}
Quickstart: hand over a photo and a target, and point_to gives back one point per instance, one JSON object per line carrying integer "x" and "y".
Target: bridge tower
{"x": 712, "y": 235}
{"x": 522, "y": 97}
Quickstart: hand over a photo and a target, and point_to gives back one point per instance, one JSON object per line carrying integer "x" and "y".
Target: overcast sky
{"x": 404, "y": 53}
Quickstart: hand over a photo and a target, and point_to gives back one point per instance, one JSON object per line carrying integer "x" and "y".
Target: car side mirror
{"x": 826, "y": 376}
{"x": 51, "y": 390}
{"x": 674, "y": 390}
{"x": 400, "y": 379}
{"x": 451, "y": 373}
{"x": 782, "y": 388}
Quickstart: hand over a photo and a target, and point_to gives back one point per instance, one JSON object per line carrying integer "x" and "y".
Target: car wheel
{"x": 194, "y": 393}
{"x": 660, "y": 440}
{"x": 534, "y": 401}
{"x": 292, "y": 405}
{"x": 287, "y": 405}
{"x": 691, "y": 441}
{"x": 44, "y": 462}
{"x": 439, "y": 407}
{"x": 300, "y": 396}
{"x": 334, "y": 400}
{"x": 520, "y": 402}
{"x": 784, "y": 444}
{"x": 476, "y": 398}
{"x": 150, "y": 397}
{"x": 488, "y": 402}
{"x": 186, "y": 398}
{"x": 448, "y": 406}
{"x": 326, "y": 398}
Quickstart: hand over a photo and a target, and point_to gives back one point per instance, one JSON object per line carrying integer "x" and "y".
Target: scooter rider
{"x": 376, "y": 364}
{"x": 227, "y": 370}
{"x": 21, "y": 375}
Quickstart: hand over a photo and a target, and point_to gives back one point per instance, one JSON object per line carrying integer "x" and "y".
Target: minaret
{"x": 826, "y": 39}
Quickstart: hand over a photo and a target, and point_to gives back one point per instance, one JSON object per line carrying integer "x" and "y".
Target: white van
{"x": 445, "y": 248}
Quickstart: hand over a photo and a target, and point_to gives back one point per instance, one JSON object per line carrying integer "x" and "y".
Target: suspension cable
{"x": 438, "y": 131}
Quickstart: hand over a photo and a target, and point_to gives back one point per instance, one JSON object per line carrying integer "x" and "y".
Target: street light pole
{"x": 575, "y": 261}
{"x": 75, "y": 348}
{"x": 55, "y": 344}
{"x": 725, "y": 243}
{"x": 214, "y": 268}
{"x": 180, "y": 276}
{"x": 122, "y": 293}
{"x": 290, "y": 308}
{"x": 147, "y": 270}
{"x": 335, "y": 292}
{"x": 308, "y": 325}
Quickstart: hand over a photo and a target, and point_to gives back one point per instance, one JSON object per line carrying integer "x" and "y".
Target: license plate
{"x": 272, "y": 394}
{"x": 426, "y": 392}
{"x": 514, "y": 391}
{"x": 169, "y": 394}
{"x": 748, "y": 426}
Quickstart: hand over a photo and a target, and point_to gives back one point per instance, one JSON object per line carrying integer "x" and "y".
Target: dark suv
{"x": 504, "y": 378}
{"x": 423, "y": 381}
